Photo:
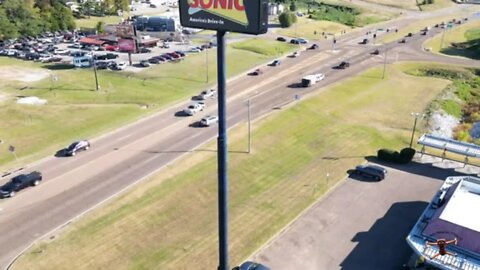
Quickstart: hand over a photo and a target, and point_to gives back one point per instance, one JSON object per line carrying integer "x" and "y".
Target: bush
{"x": 405, "y": 155}
{"x": 293, "y": 6}
{"x": 286, "y": 19}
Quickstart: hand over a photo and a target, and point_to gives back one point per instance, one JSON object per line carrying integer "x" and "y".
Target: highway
{"x": 124, "y": 157}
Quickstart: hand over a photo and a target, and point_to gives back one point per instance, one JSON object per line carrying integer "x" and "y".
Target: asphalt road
{"x": 121, "y": 158}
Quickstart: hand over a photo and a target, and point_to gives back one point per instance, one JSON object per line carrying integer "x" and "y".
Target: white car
{"x": 121, "y": 65}
{"x": 207, "y": 94}
{"x": 62, "y": 52}
{"x": 208, "y": 120}
{"x": 45, "y": 59}
{"x": 195, "y": 50}
{"x": 194, "y": 108}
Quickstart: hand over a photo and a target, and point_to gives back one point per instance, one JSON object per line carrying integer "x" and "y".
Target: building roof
{"x": 454, "y": 146}
{"x": 91, "y": 41}
{"x": 451, "y": 214}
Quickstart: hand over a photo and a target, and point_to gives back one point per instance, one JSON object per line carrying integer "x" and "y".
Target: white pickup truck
{"x": 194, "y": 108}
{"x": 310, "y": 80}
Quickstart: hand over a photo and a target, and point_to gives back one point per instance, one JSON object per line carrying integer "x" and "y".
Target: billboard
{"x": 126, "y": 45}
{"x": 243, "y": 16}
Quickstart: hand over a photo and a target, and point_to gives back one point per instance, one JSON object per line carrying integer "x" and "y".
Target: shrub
{"x": 285, "y": 19}
{"x": 293, "y": 6}
{"x": 405, "y": 156}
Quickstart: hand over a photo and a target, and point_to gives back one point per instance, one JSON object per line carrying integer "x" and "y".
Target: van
{"x": 310, "y": 80}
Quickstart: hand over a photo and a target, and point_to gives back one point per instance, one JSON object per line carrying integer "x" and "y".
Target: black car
{"x": 100, "y": 57}
{"x": 373, "y": 171}
{"x": 73, "y": 148}
{"x": 364, "y": 41}
{"x": 376, "y": 52}
{"x": 101, "y": 65}
{"x": 154, "y": 61}
{"x": 313, "y": 47}
{"x": 144, "y": 50}
{"x": 20, "y": 182}
{"x": 343, "y": 65}
{"x": 282, "y": 39}
{"x": 182, "y": 54}
{"x": 111, "y": 55}
{"x": 32, "y": 56}
{"x": 403, "y": 41}
{"x": 251, "y": 266}
{"x": 168, "y": 57}
{"x": 409, "y": 34}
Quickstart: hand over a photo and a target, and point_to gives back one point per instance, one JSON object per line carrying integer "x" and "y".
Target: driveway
{"x": 361, "y": 224}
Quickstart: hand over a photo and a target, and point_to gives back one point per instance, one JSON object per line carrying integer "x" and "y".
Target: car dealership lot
{"x": 361, "y": 224}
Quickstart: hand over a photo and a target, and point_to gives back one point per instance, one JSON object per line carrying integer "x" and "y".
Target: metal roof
{"x": 454, "y": 146}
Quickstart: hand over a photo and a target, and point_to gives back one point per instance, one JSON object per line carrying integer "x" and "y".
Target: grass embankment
{"x": 413, "y": 4}
{"x": 93, "y": 21}
{"x": 306, "y": 28}
{"x": 170, "y": 221}
{"x": 416, "y": 27}
{"x": 463, "y": 40}
{"x": 75, "y": 110}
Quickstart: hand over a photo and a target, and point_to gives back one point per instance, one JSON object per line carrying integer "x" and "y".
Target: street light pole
{"x": 384, "y": 63}
{"x": 206, "y": 60}
{"x": 249, "y": 130}
{"x": 416, "y": 115}
{"x": 95, "y": 72}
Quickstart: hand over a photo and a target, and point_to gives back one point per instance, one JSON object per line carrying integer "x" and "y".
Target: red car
{"x": 111, "y": 48}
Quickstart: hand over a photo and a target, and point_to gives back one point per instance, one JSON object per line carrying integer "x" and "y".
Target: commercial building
{"x": 447, "y": 234}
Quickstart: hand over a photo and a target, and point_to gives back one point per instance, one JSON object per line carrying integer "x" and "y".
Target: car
{"x": 144, "y": 50}
{"x": 364, "y": 41}
{"x": 182, "y": 54}
{"x": 101, "y": 65}
{"x": 55, "y": 59}
{"x": 153, "y": 6}
{"x": 251, "y": 266}
{"x": 295, "y": 54}
{"x": 373, "y": 171}
{"x": 195, "y": 50}
{"x": 207, "y": 94}
{"x": 62, "y": 52}
{"x": 154, "y": 61}
{"x": 276, "y": 63}
{"x": 282, "y": 39}
{"x": 121, "y": 65}
{"x": 168, "y": 57}
{"x": 409, "y": 35}
{"x": 111, "y": 48}
{"x": 111, "y": 55}
{"x": 313, "y": 47}
{"x": 302, "y": 40}
{"x": 403, "y": 41}
{"x": 144, "y": 63}
{"x": 376, "y": 52}
{"x": 343, "y": 65}
{"x": 257, "y": 72}
{"x": 208, "y": 120}
{"x": 424, "y": 33}
{"x": 74, "y": 147}
{"x": 294, "y": 41}
{"x": 75, "y": 46}
{"x": 20, "y": 182}
{"x": 194, "y": 108}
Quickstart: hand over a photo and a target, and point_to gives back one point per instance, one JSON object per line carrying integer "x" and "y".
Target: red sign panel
{"x": 126, "y": 45}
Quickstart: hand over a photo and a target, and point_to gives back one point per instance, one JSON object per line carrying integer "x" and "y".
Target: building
{"x": 155, "y": 23}
{"x": 452, "y": 214}
{"x": 275, "y": 9}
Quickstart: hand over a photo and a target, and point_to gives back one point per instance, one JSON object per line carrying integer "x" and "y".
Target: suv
{"x": 208, "y": 120}
{"x": 194, "y": 108}
{"x": 20, "y": 182}
{"x": 73, "y": 148}
{"x": 376, "y": 172}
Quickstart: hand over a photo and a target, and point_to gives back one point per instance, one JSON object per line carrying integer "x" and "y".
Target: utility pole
{"x": 385, "y": 63}
{"x": 443, "y": 36}
{"x": 249, "y": 130}
{"x": 95, "y": 72}
{"x": 206, "y": 60}
{"x": 416, "y": 115}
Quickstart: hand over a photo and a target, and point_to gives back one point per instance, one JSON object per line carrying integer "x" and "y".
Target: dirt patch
{"x": 22, "y": 74}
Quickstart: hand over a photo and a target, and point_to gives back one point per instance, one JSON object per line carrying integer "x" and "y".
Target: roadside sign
{"x": 11, "y": 148}
{"x": 242, "y": 16}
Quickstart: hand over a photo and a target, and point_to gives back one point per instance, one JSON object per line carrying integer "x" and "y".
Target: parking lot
{"x": 361, "y": 224}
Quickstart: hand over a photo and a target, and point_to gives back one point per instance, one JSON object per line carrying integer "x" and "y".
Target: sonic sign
{"x": 243, "y": 16}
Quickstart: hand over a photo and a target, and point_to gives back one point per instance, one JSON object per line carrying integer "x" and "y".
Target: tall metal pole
{"x": 95, "y": 72}
{"x": 443, "y": 36}
{"x": 206, "y": 61}
{"x": 222, "y": 154}
{"x": 416, "y": 115}
{"x": 249, "y": 130}
{"x": 384, "y": 63}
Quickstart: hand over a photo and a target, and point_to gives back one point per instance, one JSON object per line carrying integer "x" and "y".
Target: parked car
{"x": 144, "y": 50}
{"x": 182, "y": 54}
{"x": 73, "y": 148}
{"x": 257, "y": 72}
{"x": 302, "y": 40}
{"x": 373, "y": 171}
{"x": 409, "y": 35}
{"x": 20, "y": 182}
{"x": 144, "y": 63}
{"x": 376, "y": 52}
{"x": 282, "y": 39}
{"x": 195, "y": 50}
{"x": 62, "y": 52}
{"x": 403, "y": 41}
{"x": 276, "y": 63}
{"x": 343, "y": 65}
{"x": 111, "y": 48}
{"x": 101, "y": 65}
{"x": 208, "y": 120}
{"x": 207, "y": 94}
{"x": 111, "y": 55}
{"x": 294, "y": 41}
{"x": 154, "y": 61}
{"x": 251, "y": 266}
{"x": 194, "y": 108}
{"x": 121, "y": 65}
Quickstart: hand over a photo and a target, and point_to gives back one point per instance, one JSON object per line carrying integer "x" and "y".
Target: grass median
{"x": 463, "y": 40}
{"x": 74, "y": 110}
{"x": 170, "y": 222}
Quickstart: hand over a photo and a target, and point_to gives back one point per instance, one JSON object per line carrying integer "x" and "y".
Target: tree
{"x": 293, "y": 6}
{"x": 285, "y": 19}
{"x": 7, "y": 29}
{"x": 100, "y": 27}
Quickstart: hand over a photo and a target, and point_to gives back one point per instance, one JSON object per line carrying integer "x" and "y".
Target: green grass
{"x": 74, "y": 110}
{"x": 270, "y": 48}
{"x": 468, "y": 34}
{"x": 306, "y": 28}
{"x": 452, "y": 107}
{"x": 93, "y": 20}
{"x": 170, "y": 222}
